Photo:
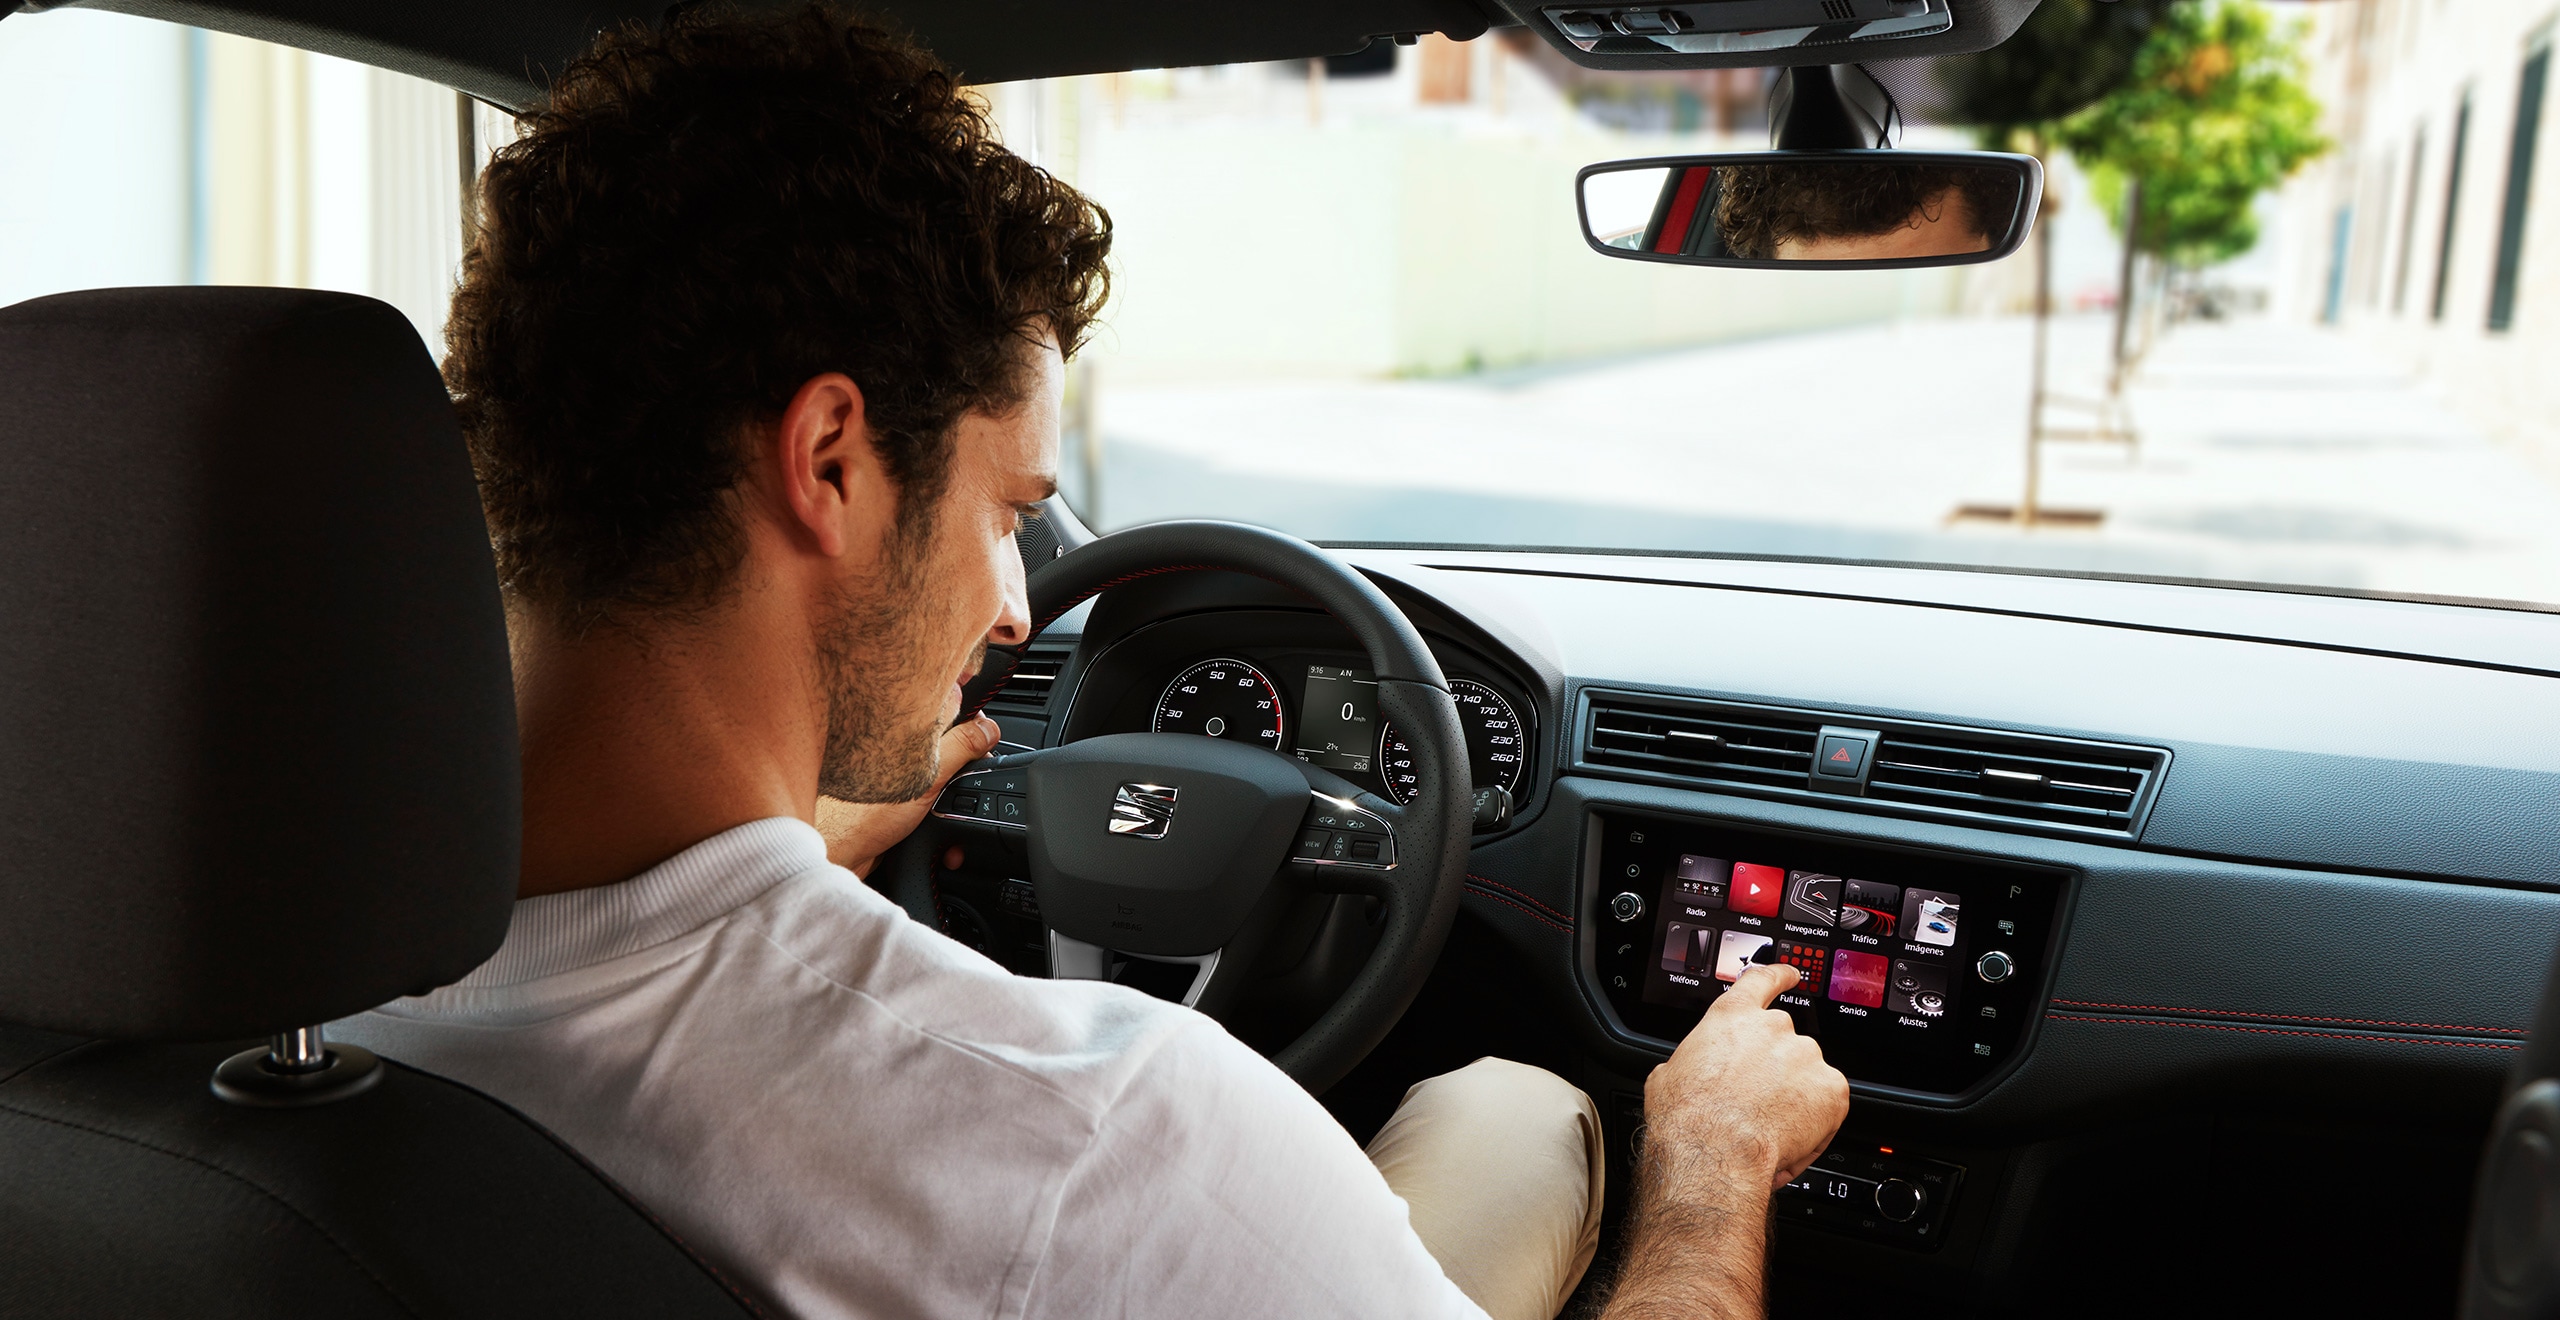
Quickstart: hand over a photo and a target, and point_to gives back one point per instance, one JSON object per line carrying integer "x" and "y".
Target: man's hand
{"x": 1742, "y": 1107}
{"x": 858, "y": 832}
{"x": 1745, "y": 1097}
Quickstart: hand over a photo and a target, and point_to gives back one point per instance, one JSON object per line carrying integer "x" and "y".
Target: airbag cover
{"x": 1185, "y": 891}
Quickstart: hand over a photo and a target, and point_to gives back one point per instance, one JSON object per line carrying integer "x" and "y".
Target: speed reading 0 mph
{"x": 1222, "y": 699}
{"x": 1496, "y": 747}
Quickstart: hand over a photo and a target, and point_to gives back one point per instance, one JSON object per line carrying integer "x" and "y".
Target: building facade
{"x": 2432, "y": 230}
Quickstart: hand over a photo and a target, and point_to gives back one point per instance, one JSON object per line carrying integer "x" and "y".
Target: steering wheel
{"x": 1179, "y": 848}
{"x": 2511, "y": 1263}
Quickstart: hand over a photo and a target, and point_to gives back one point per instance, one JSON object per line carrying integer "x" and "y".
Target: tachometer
{"x": 1497, "y": 748}
{"x": 1222, "y": 699}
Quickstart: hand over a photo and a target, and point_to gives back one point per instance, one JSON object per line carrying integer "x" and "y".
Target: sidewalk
{"x": 2269, "y": 453}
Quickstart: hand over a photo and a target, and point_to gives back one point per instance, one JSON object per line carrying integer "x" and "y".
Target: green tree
{"x": 2216, "y": 112}
{"x": 2067, "y": 55}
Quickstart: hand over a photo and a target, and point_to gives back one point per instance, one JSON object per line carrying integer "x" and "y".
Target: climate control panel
{"x": 1874, "y": 1192}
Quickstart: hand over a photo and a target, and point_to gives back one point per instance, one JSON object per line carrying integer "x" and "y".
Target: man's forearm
{"x": 1697, "y": 1246}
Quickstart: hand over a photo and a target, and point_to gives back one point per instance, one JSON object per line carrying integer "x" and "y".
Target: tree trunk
{"x": 2035, "y": 385}
{"x": 2124, "y": 283}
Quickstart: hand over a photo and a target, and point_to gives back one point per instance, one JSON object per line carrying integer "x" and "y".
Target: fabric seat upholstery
{"x": 258, "y": 772}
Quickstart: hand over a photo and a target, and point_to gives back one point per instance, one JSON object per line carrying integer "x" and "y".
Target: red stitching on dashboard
{"x": 2275, "y": 1031}
{"x": 2291, "y": 1017}
{"x": 1564, "y": 917}
{"x": 1539, "y": 917}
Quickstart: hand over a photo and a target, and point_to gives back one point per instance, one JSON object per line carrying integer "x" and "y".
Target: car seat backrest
{"x": 258, "y": 771}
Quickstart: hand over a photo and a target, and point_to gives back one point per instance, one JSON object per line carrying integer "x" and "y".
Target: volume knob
{"x": 1627, "y": 906}
{"x": 1995, "y": 967}
{"x": 1900, "y": 1201}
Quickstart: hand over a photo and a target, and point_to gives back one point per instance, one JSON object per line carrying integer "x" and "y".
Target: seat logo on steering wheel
{"x": 1143, "y": 811}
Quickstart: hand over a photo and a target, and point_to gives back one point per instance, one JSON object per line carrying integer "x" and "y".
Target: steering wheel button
{"x": 1312, "y": 843}
{"x": 1364, "y": 850}
{"x": 1008, "y": 807}
{"x": 1337, "y": 848}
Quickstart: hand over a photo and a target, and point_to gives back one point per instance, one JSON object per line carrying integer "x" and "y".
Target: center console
{"x": 1919, "y": 972}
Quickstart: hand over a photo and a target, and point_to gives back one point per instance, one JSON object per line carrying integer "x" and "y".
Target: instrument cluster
{"x": 1326, "y": 714}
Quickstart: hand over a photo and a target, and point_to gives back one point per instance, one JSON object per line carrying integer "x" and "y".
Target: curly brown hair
{"x": 701, "y": 217}
{"x": 1761, "y": 206}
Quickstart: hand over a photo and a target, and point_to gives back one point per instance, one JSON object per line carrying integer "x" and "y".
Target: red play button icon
{"x": 1756, "y": 889}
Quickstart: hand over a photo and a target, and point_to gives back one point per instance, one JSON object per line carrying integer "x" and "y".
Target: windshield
{"x": 1352, "y": 300}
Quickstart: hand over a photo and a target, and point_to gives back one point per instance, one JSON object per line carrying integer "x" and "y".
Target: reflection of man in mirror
{"x": 1853, "y": 211}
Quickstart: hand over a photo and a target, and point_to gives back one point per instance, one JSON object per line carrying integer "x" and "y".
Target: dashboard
{"x": 1293, "y": 683}
{"x": 2105, "y": 857}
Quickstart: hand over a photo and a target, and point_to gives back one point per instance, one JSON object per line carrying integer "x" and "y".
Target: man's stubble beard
{"x": 872, "y": 651}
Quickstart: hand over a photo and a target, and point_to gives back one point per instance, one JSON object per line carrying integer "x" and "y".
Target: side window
{"x": 141, "y": 152}
{"x": 2511, "y": 218}
{"x": 2452, "y": 209}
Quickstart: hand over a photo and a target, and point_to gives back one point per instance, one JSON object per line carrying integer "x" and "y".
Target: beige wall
{"x": 152, "y": 154}
{"x": 1395, "y": 250}
{"x": 1422, "y": 223}
{"x": 332, "y": 175}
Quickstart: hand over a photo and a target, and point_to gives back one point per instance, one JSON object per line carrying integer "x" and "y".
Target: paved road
{"x": 2268, "y": 453}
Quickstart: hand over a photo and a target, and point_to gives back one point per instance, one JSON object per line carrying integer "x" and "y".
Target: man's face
{"x": 911, "y": 630}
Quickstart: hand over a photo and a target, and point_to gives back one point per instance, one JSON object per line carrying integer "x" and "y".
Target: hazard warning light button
{"x": 1842, "y": 756}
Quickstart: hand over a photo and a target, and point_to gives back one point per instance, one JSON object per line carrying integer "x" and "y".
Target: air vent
{"x": 1026, "y": 690}
{"x": 1837, "y": 10}
{"x": 1734, "y": 745}
{"x": 1979, "y": 775}
{"x": 2088, "y": 785}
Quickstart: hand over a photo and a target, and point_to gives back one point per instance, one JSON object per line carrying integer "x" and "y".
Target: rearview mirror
{"x": 1812, "y": 210}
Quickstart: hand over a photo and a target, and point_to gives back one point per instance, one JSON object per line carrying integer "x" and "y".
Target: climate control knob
{"x": 1900, "y": 1201}
{"x": 1995, "y": 967}
{"x": 1627, "y": 906}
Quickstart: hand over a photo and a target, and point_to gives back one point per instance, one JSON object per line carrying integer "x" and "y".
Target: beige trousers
{"x": 1499, "y": 1164}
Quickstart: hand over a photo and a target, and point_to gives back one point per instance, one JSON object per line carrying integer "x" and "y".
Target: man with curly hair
{"x": 759, "y": 353}
{"x": 1839, "y": 211}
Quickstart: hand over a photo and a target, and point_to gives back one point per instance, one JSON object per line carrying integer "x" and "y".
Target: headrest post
{"x": 300, "y": 1050}
{"x": 296, "y": 1069}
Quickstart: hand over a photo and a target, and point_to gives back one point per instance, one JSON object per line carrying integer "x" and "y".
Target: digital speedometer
{"x": 1222, "y": 699}
{"x": 1497, "y": 748}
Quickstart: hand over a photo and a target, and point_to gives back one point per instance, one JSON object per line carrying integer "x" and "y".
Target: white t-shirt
{"x": 858, "y": 1117}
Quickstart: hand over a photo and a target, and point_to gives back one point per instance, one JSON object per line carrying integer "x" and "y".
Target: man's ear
{"x": 832, "y": 483}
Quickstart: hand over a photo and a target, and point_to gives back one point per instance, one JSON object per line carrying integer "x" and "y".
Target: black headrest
{"x": 258, "y": 758}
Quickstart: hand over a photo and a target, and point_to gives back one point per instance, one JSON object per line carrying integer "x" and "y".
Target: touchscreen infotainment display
{"x": 1913, "y": 970}
{"x": 1867, "y": 947}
